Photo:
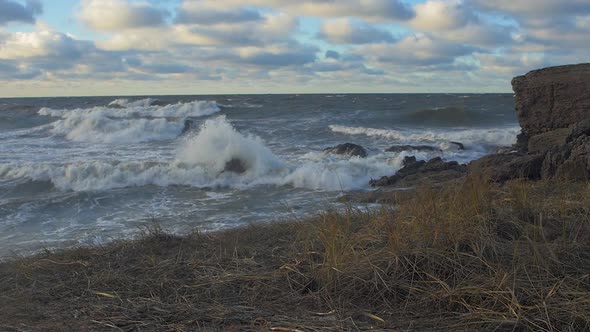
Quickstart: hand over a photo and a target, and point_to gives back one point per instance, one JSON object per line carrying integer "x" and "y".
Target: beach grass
{"x": 468, "y": 256}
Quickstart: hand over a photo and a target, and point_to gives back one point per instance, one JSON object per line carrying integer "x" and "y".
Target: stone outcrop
{"x": 544, "y": 142}
{"x": 552, "y": 98}
{"x": 501, "y": 167}
{"x": 435, "y": 170}
{"x": 347, "y": 149}
{"x": 553, "y": 108}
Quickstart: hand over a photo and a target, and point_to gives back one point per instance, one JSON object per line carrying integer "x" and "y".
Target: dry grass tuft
{"x": 471, "y": 256}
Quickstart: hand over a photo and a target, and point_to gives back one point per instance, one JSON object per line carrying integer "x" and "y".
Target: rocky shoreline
{"x": 553, "y": 109}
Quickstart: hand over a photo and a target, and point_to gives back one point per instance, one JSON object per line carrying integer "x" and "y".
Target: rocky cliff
{"x": 552, "y": 98}
{"x": 553, "y": 108}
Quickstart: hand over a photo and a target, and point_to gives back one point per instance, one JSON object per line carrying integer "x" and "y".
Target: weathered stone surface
{"x": 434, "y": 171}
{"x": 570, "y": 161}
{"x": 551, "y": 98}
{"x": 522, "y": 142}
{"x": 544, "y": 142}
{"x": 579, "y": 129}
{"x": 503, "y": 167}
{"x": 348, "y": 149}
{"x": 235, "y": 165}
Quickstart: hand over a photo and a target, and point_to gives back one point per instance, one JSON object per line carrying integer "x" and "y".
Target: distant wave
{"x": 200, "y": 162}
{"x": 138, "y": 122}
{"x": 470, "y": 137}
{"x": 97, "y": 128}
{"x": 196, "y": 108}
{"x": 124, "y": 102}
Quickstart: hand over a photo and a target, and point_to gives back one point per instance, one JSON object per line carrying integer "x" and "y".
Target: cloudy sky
{"x": 126, "y": 47}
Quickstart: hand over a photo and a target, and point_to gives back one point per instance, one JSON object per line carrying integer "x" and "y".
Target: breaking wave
{"x": 140, "y": 121}
{"x": 98, "y": 128}
{"x": 200, "y": 162}
{"x": 469, "y": 137}
{"x": 195, "y": 108}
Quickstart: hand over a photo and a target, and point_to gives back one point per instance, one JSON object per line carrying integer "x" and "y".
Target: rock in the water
{"x": 551, "y": 98}
{"x": 235, "y": 165}
{"x": 400, "y": 148}
{"x": 435, "y": 170}
{"x": 459, "y": 146}
{"x": 408, "y": 160}
{"x": 348, "y": 149}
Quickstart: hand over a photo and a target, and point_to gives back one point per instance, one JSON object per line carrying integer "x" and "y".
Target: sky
{"x": 158, "y": 47}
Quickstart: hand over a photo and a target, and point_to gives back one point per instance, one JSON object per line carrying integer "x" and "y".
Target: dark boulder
{"x": 459, "y": 146}
{"x": 235, "y": 165}
{"x": 413, "y": 172}
{"x": 348, "y": 149}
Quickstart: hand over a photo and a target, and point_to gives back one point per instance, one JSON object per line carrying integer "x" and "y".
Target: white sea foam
{"x": 469, "y": 137}
{"x": 200, "y": 162}
{"x": 218, "y": 142}
{"x": 139, "y": 122}
{"x": 98, "y": 128}
{"x": 195, "y": 108}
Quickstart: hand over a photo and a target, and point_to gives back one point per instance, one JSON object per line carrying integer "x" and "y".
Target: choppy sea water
{"x": 87, "y": 170}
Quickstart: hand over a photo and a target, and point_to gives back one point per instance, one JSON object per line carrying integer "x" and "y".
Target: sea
{"x": 89, "y": 170}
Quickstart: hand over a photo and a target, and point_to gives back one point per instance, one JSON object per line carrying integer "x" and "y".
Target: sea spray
{"x": 217, "y": 143}
{"x": 201, "y": 160}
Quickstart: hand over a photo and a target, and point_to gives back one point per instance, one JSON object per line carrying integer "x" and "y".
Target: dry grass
{"x": 472, "y": 256}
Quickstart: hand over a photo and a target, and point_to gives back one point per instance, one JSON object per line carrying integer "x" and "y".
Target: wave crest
{"x": 140, "y": 121}
{"x": 470, "y": 137}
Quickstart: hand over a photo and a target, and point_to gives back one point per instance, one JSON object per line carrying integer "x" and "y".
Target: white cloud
{"x": 445, "y": 15}
{"x": 42, "y": 43}
{"x": 114, "y": 15}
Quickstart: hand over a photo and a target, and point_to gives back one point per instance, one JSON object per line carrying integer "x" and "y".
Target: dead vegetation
{"x": 471, "y": 256}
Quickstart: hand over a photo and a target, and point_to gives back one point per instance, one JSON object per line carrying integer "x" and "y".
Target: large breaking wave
{"x": 200, "y": 162}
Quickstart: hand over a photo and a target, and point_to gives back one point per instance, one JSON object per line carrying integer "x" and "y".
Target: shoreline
{"x": 473, "y": 255}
